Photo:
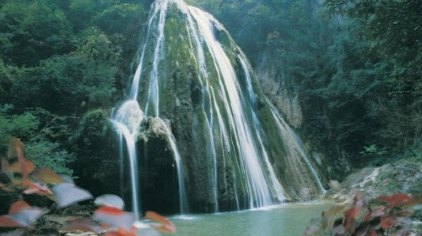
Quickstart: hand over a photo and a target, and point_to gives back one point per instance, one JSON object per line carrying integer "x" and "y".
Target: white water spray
{"x": 126, "y": 121}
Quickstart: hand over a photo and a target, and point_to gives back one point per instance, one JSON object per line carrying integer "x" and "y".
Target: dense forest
{"x": 61, "y": 60}
{"x": 354, "y": 66}
{"x": 346, "y": 75}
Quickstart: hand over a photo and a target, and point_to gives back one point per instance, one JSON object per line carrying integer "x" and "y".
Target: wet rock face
{"x": 281, "y": 95}
{"x": 97, "y": 154}
{"x": 157, "y": 169}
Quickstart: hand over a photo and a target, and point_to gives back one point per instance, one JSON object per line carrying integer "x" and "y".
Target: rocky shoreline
{"x": 404, "y": 176}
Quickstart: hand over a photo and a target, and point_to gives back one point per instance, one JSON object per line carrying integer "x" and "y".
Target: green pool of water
{"x": 289, "y": 219}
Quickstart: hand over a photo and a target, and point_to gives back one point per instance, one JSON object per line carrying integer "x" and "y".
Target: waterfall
{"x": 295, "y": 149}
{"x": 126, "y": 121}
{"x": 180, "y": 174}
{"x": 230, "y": 144}
{"x": 129, "y": 116}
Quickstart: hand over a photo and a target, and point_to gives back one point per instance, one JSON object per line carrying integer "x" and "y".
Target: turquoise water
{"x": 289, "y": 219}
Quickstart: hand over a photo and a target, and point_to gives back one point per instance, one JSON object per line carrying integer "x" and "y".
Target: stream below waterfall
{"x": 287, "y": 219}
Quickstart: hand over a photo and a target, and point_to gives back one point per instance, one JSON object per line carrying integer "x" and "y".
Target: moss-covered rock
{"x": 97, "y": 153}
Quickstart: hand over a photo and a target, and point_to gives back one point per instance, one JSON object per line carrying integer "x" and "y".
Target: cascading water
{"x": 295, "y": 149}
{"x": 180, "y": 174}
{"x": 231, "y": 147}
{"x": 126, "y": 121}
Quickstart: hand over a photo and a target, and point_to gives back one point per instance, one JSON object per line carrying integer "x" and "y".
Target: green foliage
{"x": 40, "y": 150}
{"x": 22, "y": 125}
{"x": 31, "y": 31}
{"x": 112, "y": 20}
{"x": 83, "y": 76}
{"x": 81, "y": 11}
{"x": 51, "y": 155}
{"x": 60, "y": 59}
{"x": 373, "y": 151}
{"x": 355, "y": 65}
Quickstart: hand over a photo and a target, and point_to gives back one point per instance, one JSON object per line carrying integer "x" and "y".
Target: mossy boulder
{"x": 96, "y": 149}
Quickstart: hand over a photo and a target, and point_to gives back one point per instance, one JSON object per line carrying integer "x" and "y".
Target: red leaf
{"x": 164, "y": 226}
{"x": 157, "y": 217}
{"x": 120, "y": 232}
{"x": 115, "y": 217}
{"x": 109, "y": 210}
{"x": 387, "y": 222}
{"x": 18, "y": 206}
{"x": 6, "y": 221}
{"x": 398, "y": 199}
{"x": 349, "y": 218}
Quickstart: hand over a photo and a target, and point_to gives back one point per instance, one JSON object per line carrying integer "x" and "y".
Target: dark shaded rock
{"x": 6, "y": 199}
{"x": 157, "y": 169}
{"x": 96, "y": 149}
{"x": 38, "y": 200}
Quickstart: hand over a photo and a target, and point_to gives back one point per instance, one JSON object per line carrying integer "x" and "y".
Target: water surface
{"x": 288, "y": 219}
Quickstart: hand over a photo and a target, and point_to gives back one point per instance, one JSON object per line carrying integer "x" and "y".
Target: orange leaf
{"x": 416, "y": 200}
{"x": 6, "y": 221}
{"x": 16, "y": 149}
{"x": 24, "y": 168}
{"x": 120, "y": 232}
{"x": 398, "y": 199}
{"x": 157, "y": 217}
{"x": 18, "y": 206}
{"x": 36, "y": 188}
{"x": 115, "y": 217}
{"x": 387, "y": 222}
{"x": 14, "y": 145}
{"x": 109, "y": 210}
{"x": 48, "y": 176}
{"x": 165, "y": 226}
